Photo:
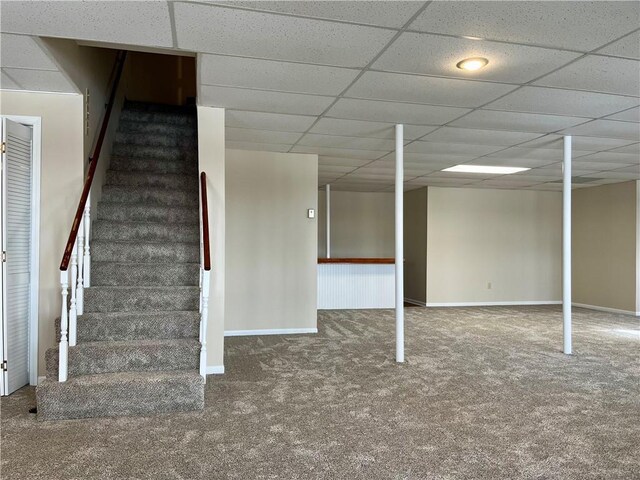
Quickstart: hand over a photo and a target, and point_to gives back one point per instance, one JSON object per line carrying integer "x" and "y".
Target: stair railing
{"x": 77, "y": 251}
{"x": 205, "y": 273}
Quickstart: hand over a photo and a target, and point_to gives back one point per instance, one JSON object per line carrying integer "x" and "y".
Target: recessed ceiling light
{"x": 472, "y": 64}
{"x": 485, "y": 169}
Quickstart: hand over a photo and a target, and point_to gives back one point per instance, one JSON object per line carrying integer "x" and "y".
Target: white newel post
{"x": 206, "y": 275}
{"x": 73, "y": 308}
{"x": 87, "y": 249}
{"x": 64, "y": 343}
{"x": 80, "y": 283}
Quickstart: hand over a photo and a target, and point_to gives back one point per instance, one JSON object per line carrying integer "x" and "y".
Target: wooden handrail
{"x": 93, "y": 161}
{"x": 205, "y": 222}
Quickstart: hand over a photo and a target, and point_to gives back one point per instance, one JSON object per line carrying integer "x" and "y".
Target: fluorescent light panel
{"x": 485, "y": 169}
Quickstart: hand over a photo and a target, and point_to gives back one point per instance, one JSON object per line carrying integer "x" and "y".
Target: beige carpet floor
{"x": 485, "y": 394}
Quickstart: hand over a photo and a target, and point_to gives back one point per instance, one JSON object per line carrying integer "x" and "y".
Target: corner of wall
{"x": 637, "y": 247}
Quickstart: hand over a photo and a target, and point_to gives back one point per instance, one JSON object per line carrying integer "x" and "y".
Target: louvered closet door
{"x": 16, "y": 239}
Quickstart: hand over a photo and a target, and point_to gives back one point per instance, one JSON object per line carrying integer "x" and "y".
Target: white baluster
{"x": 203, "y": 323}
{"x": 73, "y": 308}
{"x": 80, "y": 284}
{"x": 87, "y": 247}
{"x": 64, "y": 344}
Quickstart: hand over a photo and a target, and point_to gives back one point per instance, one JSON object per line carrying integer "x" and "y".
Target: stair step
{"x": 166, "y": 129}
{"x": 114, "y": 274}
{"x": 159, "y": 196}
{"x": 140, "y": 299}
{"x": 140, "y": 212}
{"x": 154, "y": 165}
{"x": 157, "y": 180}
{"x": 93, "y": 358}
{"x": 149, "y": 231}
{"x": 123, "y": 326}
{"x": 137, "y": 106}
{"x": 154, "y": 152}
{"x": 180, "y": 118}
{"x": 120, "y": 394}
{"x": 171, "y": 137}
{"x": 144, "y": 252}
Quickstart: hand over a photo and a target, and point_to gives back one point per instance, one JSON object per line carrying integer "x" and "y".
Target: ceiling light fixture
{"x": 472, "y": 64}
{"x": 485, "y": 169}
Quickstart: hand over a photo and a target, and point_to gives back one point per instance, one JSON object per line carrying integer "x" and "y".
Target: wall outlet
{"x": 311, "y": 213}
{"x": 488, "y": 285}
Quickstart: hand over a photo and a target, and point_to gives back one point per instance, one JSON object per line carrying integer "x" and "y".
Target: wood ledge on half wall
{"x": 358, "y": 260}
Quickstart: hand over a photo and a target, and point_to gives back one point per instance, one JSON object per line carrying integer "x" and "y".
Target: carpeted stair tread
{"x": 127, "y": 356}
{"x": 147, "y": 213}
{"x": 158, "y": 117}
{"x": 149, "y": 195}
{"x": 120, "y": 394}
{"x": 136, "y": 127}
{"x": 151, "y": 231}
{"x": 153, "y": 165}
{"x": 159, "y": 180}
{"x": 122, "y": 326}
{"x": 157, "y": 152}
{"x": 144, "y": 274}
{"x": 140, "y": 299}
{"x": 138, "y": 106}
{"x": 145, "y": 252}
{"x": 182, "y": 139}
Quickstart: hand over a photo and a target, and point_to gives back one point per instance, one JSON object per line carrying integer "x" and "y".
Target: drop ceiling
{"x": 333, "y": 78}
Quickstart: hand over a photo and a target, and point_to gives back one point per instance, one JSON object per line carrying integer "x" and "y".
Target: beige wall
{"x": 604, "y": 246}
{"x": 362, "y": 224}
{"x": 415, "y": 245}
{"x": 510, "y": 238}
{"x": 211, "y": 158}
{"x": 61, "y": 184}
{"x": 271, "y": 275}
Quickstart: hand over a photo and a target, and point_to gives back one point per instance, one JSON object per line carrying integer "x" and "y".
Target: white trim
{"x": 36, "y": 147}
{"x": 495, "y": 304}
{"x": 274, "y": 331}
{"x": 37, "y": 91}
{"x": 415, "y": 302}
{"x": 606, "y": 309}
{"x": 214, "y": 370}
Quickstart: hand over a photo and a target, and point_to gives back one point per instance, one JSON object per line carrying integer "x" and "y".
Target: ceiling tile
{"x": 342, "y": 161}
{"x": 634, "y": 148}
{"x": 620, "y": 175}
{"x": 268, "y": 121}
{"x": 328, "y": 169}
{"x": 338, "y": 152}
{"x": 211, "y": 29}
{"x": 382, "y": 13}
{"x": 41, "y": 80}
{"x": 633, "y": 169}
{"x": 511, "y": 162}
{"x": 628, "y": 46}
{"x": 270, "y": 75}
{"x": 362, "y": 174}
{"x": 538, "y": 153}
{"x": 394, "y": 112}
{"x": 610, "y": 157}
{"x": 382, "y": 144}
{"x": 598, "y": 74}
{"x": 122, "y": 22}
{"x": 479, "y": 137}
{"x": 574, "y": 25}
{"x": 562, "y": 102}
{"x": 358, "y": 128}
{"x": 6, "y": 83}
{"x": 428, "y": 90}
{"x": 503, "y": 182}
{"x": 21, "y": 51}
{"x": 464, "y": 149}
{"x": 274, "y": 102}
{"x": 631, "y": 115}
{"x": 438, "y": 181}
{"x": 607, "y": 128}
{"x": 260, "y": 136}
{"x": 440, "y": 159}
{"x": 438, "y": 55}
{"x": 600, "y": 165}
{"x": 526, "y": 122}
{"x": 456, "y": 175}
{"x": 258, "y": 147}
{"x": 589, "y": 144}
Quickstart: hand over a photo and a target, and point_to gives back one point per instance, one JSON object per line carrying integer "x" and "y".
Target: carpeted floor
{"x": 485, "y": 394}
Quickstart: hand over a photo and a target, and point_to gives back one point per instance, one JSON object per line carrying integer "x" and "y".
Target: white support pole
{"x": 206, "y": 278}
{"x": 73, "y": 308}
{"x": 80, "y": 282}
{"x": 64, "y": 323}
{"x": 87, "y": 248}
{"x": 399, "y": 244}
{"x": 328, "y": 218}
{"x": 566, "y": 246}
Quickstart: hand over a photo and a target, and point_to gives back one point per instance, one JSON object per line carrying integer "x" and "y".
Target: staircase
{"x": 137, "y": 349}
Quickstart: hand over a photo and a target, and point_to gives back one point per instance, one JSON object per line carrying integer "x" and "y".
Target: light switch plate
{"x": 311, "y": 213}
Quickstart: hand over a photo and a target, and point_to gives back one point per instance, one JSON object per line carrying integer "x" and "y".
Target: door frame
{"x": 36, "y": 124}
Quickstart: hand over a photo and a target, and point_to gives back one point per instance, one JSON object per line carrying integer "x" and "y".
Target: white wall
{"x": 211, "y": 160}
{"x": 60, "y": 187}
{"x": 271, "y": 264}
{"x": 509, "y": 238}
{"x": 362, "y": 224}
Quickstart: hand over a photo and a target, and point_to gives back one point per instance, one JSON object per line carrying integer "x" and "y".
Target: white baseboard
{"x": 276, "y": 331}
{"x": 606, "y": 309}
{"x": 495, "y": 304}
{"x": 415, "y": 302}
{"x": 215, "y": 369}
